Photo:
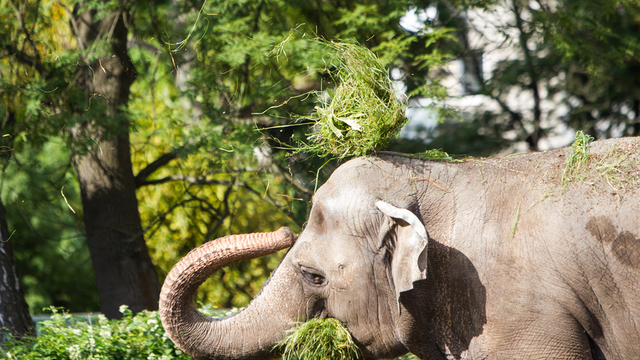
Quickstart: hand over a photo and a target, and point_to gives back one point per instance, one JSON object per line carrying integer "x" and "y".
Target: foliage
{"x": 45, "y": 216}
{"x": 215, "y": 187}
{"x": 596, "y": 33}
{"x": 66, "y": 337}
{"x": 205, "y": 75}
{"x": 527, "y": 73}
{"x": 362, "y": 111}
{"x": 325, "y": 338}
{"x": 42, "y": 102}
{"x": 598, "y": 49}
{"x": 578, "y": 156}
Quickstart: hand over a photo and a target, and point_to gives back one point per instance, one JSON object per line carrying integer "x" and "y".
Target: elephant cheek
{"x": 315, "y": 307}
{"x": 374, "y": 316}
{"x": 360, "y": 317}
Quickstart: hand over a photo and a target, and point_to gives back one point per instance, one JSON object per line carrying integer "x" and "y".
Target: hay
{"x": 362, "y": 112}
{"x": 319, "y": 339}
{"x": 578, "y": 156}
{"x": 435, "y": 155}
{"x": 432, "y": 155}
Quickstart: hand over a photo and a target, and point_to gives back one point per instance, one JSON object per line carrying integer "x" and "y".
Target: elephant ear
{"x": 409, "y": 261}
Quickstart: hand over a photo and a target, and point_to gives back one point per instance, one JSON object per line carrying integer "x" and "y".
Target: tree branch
{"x": 223, "y": 215}
{"x": 161, "y": 218}
{"x": 27, "y": 59}
{"x": 289, "y": 214}
{"x": 533, "y": 138}
{"x": 514, "y": 117}
{"x": 74, "y": 25}
{"x": 141, "y": 178}
{"x": 188, "y": 179}
{"x": 24, "y": 28}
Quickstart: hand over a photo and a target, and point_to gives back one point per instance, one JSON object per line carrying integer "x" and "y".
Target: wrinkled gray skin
{"x": 517, "y": 267}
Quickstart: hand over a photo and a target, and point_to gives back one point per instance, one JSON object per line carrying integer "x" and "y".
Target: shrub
{"x": 67, "y": 337}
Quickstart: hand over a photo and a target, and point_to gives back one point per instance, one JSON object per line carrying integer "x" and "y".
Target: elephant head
{"x": 357, "y": 256}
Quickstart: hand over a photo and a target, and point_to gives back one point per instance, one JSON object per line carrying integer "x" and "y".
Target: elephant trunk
{"x": 252, "y": 332}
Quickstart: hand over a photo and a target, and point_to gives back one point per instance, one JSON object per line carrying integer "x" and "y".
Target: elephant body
{"x": 482, "y": 259}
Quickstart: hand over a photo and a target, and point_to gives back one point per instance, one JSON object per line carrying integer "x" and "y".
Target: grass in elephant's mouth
{"x": 319, "y": 339}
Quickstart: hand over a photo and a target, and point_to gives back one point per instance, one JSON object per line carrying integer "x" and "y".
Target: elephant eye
{"x": 312, "y": 277}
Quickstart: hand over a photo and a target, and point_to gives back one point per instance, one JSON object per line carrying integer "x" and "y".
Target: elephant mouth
{"x": 315, "y": 309}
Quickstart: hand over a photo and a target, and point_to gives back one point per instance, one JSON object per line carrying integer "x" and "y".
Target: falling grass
{"x": 617, "y": 166}
{"x": 319, "y": 339}
{"x": 515, "y": 223}
{"x": 578, "y": 156}
{"x": 362, "y": 112}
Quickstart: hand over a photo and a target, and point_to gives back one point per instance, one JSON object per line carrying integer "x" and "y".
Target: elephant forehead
{"x": 333, "y": 249}
{"x": 336, "y": 250}
{"x": 348, "y": 218}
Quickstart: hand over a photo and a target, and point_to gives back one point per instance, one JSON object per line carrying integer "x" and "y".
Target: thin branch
{"x": 187, "y": 179}
{"x": 162, "y": 217}
{"x": 289, "y": 214}
{"x": 289, "y": 177}
{"x": 537, "y": 113}
{"x": 27, "y": 59}
{"x": 247, "y": 61}
{"x": 74, "y": 25}
{"x": 35, "y": 17}
{"x": 223, "y": 215}
{"x": 141, "y": 178}
{"x": 24, "y": 28}
{"x": 143, "y": 45}
{"x": 514, "y": 116}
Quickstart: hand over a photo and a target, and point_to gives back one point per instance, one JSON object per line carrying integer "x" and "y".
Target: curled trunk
{"x": 251, "y": 333}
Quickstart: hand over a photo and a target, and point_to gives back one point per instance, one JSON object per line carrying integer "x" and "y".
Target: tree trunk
{"x": 14, "y": 312}
{"x": 121, "y": 262}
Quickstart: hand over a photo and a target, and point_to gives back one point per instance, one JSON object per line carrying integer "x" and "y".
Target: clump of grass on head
{"x": 319, "y": 339}
{"x": 579, "y": 154}
{"x": 362, "y": 112}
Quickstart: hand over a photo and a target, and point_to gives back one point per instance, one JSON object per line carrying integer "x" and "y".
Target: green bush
{"x": 67, "y": 337}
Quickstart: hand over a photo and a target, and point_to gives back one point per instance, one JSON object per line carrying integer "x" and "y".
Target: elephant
{"x": 485, "y": 258}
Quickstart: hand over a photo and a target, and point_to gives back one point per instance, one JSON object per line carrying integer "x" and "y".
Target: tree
{"x": 599, "y": 42}
{"x": 122, "y": 266}
{"x": 14, "y": 312}
{"x": 535, "y": 71}
{"x": 93, "y": 93}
